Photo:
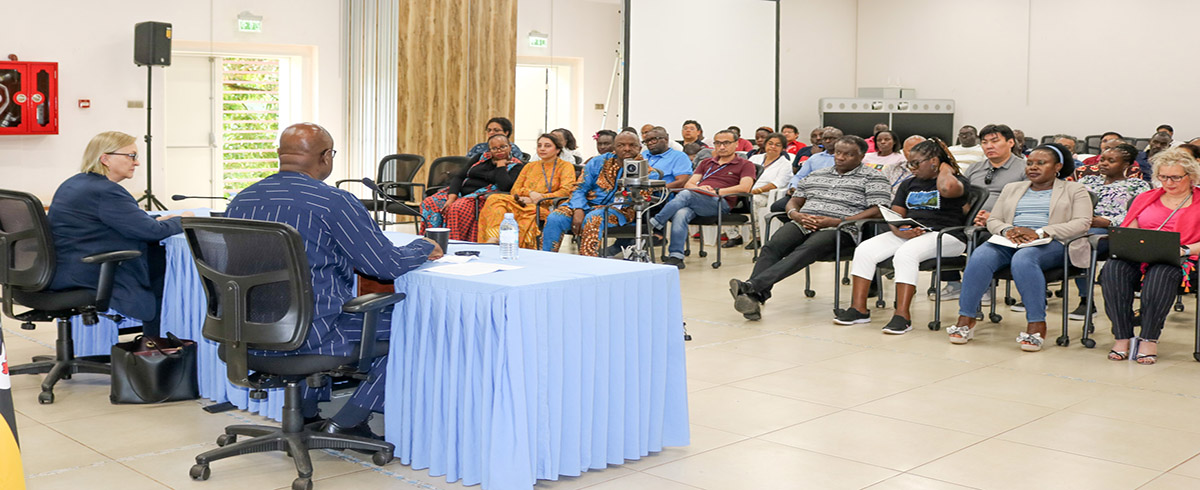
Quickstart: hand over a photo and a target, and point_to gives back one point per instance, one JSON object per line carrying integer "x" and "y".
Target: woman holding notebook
{"x": 935, "y": 198}
{"x": 1169, "y": 208}
{"x": 1030, "y": 222}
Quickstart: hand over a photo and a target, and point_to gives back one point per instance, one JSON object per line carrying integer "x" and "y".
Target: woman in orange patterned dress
{"x": 545, "y": 179}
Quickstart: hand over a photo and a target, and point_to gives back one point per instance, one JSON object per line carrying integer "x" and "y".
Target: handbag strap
{"x": 181, "y": 372}
{"x": 1177, "y": 208}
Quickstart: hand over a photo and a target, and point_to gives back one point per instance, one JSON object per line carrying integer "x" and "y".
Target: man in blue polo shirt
{"x": 820, "y": 160}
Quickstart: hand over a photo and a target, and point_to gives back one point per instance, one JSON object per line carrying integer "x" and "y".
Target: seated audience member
{"x": 584, "y": 214}
{"x": 692, "y": 132}
{"x": 1044, "y": 206}
{"x": 1107, "y": 137}
{"x": 495, "y": 126}
{"x": 456, "y": 206}
{"x": 815, "y": 137}
{"x": 1190, "y": 148}
{"x": 967, "y": 151}
{"x": 670, "y": 144}
{"x": 92, "y": 213}
{"x": 570, "y": 149}
{"x": 871, "y": 140}
{"x": 792, "y": 134}
{"x": 1159, "y": 142}
{"x": 999, "y": 168}
{"x": 341, "y": 239}
{"x": 1069, "y": 142}
{"x": 1169, "y": 208}
{"x": 742, "y": 143}
{"x": 777, "y": 169}
{"x": 887, "y": 158}
{"x": 1091, "y": 166}
{"x": 604, "y": 141}
{"x": 844, "y": 192}
{"x": 760, "y": 138}
{"x": 1166, "y": 128}
{"x": 818, "y": 161}
{"x": 1114, "y": 190}
{"x": 1019, "y": 148}
{"x": 724, "y": 173}
{"x": 937, "y": 198}
{"x": 549, "y": 177}
{"x": 673, "y": 166}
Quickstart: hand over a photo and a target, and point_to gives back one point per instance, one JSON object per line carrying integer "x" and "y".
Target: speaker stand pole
{"x": 151, "y": 202}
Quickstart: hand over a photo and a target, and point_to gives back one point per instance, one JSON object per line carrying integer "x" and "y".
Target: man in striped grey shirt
{"x": 340, "y": 240}
{"x": 825, "y": 198}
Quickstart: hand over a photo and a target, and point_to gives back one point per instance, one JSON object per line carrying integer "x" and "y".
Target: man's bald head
{"x": 303, "y": 148}
{"x": 627, "y": 146}
{"x": 910, "y": 142}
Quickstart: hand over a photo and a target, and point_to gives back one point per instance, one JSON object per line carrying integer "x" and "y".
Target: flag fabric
{"x": 12, "y": 476}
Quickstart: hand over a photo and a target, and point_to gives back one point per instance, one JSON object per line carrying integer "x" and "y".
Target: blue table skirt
{"x": 569, "y": 364}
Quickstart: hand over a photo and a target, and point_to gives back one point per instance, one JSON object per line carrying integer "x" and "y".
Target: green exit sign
{"x": 538, "y": 42}
{"x": 247, "y": 25}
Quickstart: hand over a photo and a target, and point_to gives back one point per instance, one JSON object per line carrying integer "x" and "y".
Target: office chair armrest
{"x": 434, "y": 190}
{"x": 108, "y": 268}
{"x": 339, "y": 183}
{"x": 1094, "y": 239}
{"x": 554, "y": 203}
{"x": 409, "y": 185}
{"x": 114, "y": 256}
{"x": 858, "y": 225}
{"x": 369, "y": 305}
{"x": 371, "y": 302}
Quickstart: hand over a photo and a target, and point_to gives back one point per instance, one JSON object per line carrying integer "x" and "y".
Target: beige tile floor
{"x": 792, "y": 401}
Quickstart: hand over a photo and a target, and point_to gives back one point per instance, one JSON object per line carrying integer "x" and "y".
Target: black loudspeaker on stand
{"x": 151, "y": 47}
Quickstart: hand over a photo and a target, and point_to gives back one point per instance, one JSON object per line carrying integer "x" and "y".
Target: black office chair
{"x": 1141, "y": 143}
{"x": 441, "y": 170}
{"x": 1047, "y": 139}
{"x": 264, "y": 301}
{"x": 976, "y": 199}
{"x": 809, "y": 292}
{"x": 395, "y": 177}
{"x": 27, "y": 262}
{"x": 1091, "y": 143}
{"x": 742, "y": 213}
{"x": 1030, "y": 142}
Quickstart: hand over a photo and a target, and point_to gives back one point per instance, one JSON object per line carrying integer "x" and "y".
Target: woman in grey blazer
{"x": 1044, "y": 206}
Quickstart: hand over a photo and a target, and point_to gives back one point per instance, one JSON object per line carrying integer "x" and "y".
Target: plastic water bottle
{"x": 509, "y": 233}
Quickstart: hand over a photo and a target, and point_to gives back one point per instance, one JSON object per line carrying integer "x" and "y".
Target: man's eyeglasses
{"x": 131, "y": 156}
{"x": 723, "y": 143}
{"x": 1171, "y": 178}
{"x": 332, "y": 152}
{"x": 987, "y": 180}
{"x": 651, "y": 139}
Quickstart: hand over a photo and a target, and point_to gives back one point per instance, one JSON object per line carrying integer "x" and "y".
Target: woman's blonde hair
{"x": 1177, "y": 157}
{"x": 106, "y": 142}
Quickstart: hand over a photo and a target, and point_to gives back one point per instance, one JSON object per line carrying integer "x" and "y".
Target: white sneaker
{"x": 950, "y": 291}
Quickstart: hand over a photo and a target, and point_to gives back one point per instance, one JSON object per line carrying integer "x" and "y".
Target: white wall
{"x": 817, "y": 47}
{"x": 588, "y": 33}
{"x": 93, "y": 44}
{"x": 1044, "y": 66}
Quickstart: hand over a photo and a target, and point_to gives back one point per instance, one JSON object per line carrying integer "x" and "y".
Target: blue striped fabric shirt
{"x": 340, "y": 237}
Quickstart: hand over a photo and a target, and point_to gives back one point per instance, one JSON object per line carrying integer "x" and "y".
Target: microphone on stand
{"x": 406, "y": 208}
{"x": 180, "y": 197}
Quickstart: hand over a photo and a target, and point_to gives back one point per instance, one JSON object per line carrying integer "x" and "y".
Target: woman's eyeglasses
{"x": 132, "y": 156}
{"x": 1171, "y": 178}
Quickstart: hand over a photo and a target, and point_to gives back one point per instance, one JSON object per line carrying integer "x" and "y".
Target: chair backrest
{"x": 1141, "y": 143}
{"x": 977, "y": 196}
{"x": 1091, "y": 144}
{"x": 1030, "y": 143}
{"x": 442, "y": 168}
{"x": 1047, "y": 139}
{"x": 259, "y": 288}
{"x": 26, "y": 246}
{"x": 399, "y": 167}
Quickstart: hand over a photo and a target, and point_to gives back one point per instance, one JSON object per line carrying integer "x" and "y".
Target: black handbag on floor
{"x": 154, "y": 370}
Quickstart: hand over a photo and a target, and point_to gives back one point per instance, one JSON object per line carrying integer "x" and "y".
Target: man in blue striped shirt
{"x": 340, "y": 239}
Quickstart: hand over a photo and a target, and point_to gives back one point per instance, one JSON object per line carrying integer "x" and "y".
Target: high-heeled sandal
{"x": 1147, "y": 359}
{"x": 1117, "y": 356}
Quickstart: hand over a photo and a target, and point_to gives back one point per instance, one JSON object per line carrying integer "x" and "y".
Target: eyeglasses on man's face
{"x": 722, "y": 143}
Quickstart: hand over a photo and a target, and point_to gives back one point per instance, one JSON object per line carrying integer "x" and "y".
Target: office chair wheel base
{"x": 935, "y": 326}
{"x": 880, "y": 303}
{"x": 995, "y": 317}
{"x": 704, "y": 253}
{"x": 688, "y": 337}
{"x": 1008, "y": 301}
{"x": 845, "y": 281}
{"x": 1196, "y": 356}
{"x": 1178, "y": 307}
{"x": 226, "y": 439}
{"x": 199, "y": 472}
{"x": 1089, "y": 343}
{"x": 1062, "y": 341}
{"x": 381, "y": 458}
{"x": 28, "y": 326}
{"x": 687, "y": 253}
{"x": 302, "y": 484}
{"x": 46, "y": 397}
{"x": 808, "y": 293}
{"x": 716, "y": 265}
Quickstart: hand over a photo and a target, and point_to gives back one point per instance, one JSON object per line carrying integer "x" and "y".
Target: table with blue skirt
{"x": 567, "y": 364}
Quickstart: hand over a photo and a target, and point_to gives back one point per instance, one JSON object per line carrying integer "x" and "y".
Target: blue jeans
{"x": 1027, "y": 265}
{"x": 680, "y": 211}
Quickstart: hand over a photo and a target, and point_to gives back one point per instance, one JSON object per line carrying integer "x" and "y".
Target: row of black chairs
{"x": 1089, "y": 144}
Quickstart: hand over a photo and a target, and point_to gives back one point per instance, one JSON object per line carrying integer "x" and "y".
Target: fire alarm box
{"x": 28, "y": 97}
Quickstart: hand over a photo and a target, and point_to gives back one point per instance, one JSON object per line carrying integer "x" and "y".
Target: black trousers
{"x": 788, "y": 251}
{"x": 156, "y": 257}
{"x": 1118, "y": 281}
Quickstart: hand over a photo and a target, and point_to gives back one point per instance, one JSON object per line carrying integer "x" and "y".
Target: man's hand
{"x": 908, "y": 233}
{"x": 185, "y": 214}
{"x": 1021, "y": 234}
{"x": 437, "y": 252}
{"x": 813, "y": 222}
{"x": 981, "y": 218}
{"x": 450, "y": 198}
{"x": 577, "y": 222}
